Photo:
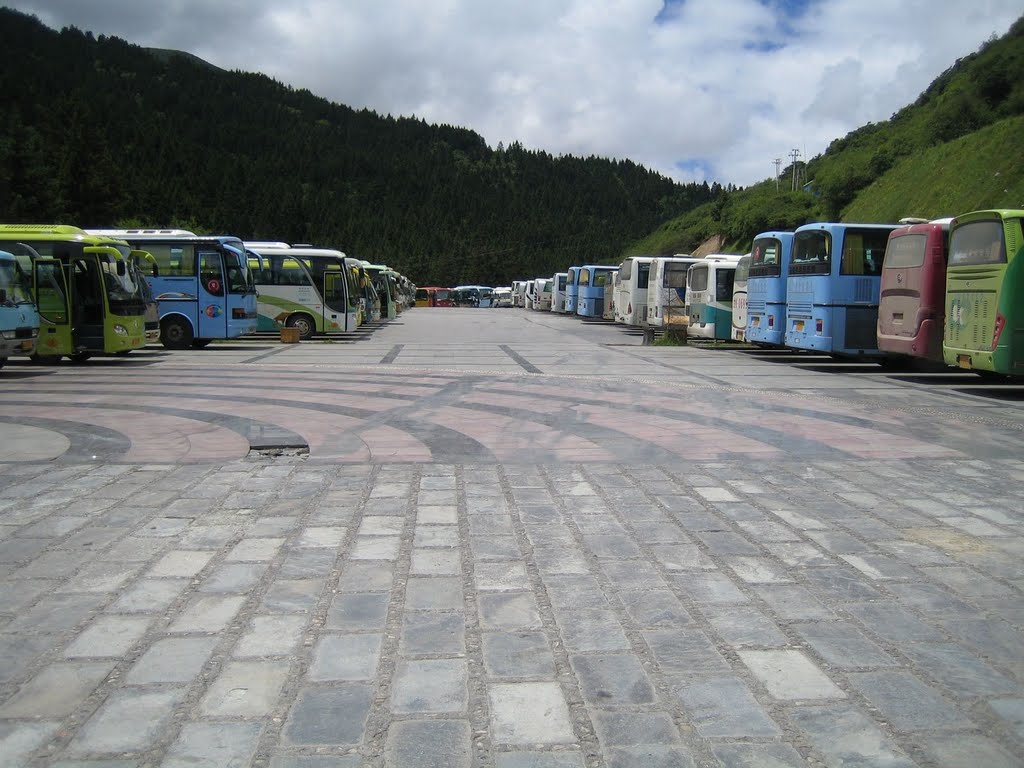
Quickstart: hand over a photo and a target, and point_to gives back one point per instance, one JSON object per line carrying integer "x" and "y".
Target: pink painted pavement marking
{"x": 386, "y": 443}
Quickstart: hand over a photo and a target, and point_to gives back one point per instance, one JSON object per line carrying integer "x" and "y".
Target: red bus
{"x": 434, "y": 297}
{"x": 911, "y": 309}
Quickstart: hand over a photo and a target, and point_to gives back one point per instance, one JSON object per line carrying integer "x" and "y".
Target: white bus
{"x": 666, "y": 291}
{"x": 558, "y": 292}
{"x": 631, "y": 292}
{"x": 542, "y": 293}
{"x": 709, "y": 296}
{"x": 609, "y": 296}
{"x": 739, "y": 299}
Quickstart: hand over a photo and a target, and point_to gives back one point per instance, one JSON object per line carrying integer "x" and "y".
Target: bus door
{"x": 212, "y": 321}
{"x": 335, "y": 316}
{"x": 52, "y": 302}
{"x": 87, "y": 304}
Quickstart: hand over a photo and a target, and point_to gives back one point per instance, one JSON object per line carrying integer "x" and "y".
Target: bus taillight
{"x": 1000, "y": 324}
{"x": 819, "y": 326}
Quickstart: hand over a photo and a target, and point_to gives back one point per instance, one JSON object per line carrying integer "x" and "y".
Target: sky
{"x": 700, "y": 90}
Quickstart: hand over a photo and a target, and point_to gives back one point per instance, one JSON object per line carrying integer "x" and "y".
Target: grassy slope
{"x": 984, "y": 169}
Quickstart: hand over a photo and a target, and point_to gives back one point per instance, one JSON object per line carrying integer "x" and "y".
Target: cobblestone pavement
{"x": 277, "y": 555}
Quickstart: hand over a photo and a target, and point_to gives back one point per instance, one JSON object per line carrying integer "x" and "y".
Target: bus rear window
{"x": 977, "y": 242}
{"x": 812, "y": 248}
{"x": 561, "y": 282}
{"x": 766, "y": 258}
{"x": 905, "y": 251}
{"x": 698, "y": 280}
{"x": 584, "y": 277}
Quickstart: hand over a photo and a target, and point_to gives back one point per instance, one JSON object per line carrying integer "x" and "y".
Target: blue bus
{"x": 19, "y": 320}
{"x": 833, "y": 288}
{"x": 572, "y": 289}
{"x": 202, "y": 284}
{"x": 592, "y": 280}
{"x": 766, "y": 288}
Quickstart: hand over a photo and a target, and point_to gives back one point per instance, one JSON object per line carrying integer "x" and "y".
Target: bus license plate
{"x": 798, "y": 326}
{"x": 964, "y": 361}
{"x": 26, "y": 346}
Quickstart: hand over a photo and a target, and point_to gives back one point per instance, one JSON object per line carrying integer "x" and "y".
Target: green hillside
{"x": 955, "y": 149}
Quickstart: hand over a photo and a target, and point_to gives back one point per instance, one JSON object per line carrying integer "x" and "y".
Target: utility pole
{"x": 794, "y": 154}
{"x": 778, "y": 165}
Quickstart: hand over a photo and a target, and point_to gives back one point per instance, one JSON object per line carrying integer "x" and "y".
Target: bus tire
{"x": 304, "y": 323}
{"x": 176, "y": 332}
{"x": 200, "y": 343}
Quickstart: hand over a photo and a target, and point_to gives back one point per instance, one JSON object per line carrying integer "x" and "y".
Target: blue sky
{"x": 697, "y": 89}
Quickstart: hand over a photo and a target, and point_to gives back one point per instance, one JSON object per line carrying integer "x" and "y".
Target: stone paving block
{"x": 880, "y": 567}
{"x": 967, "y": 750}
{"x": 108, "y": 636}
{"x": 345, "y": 657}
{"x": 443, "y": 536}
{"x": 655, "y": 608}
{"x": 847, "y": 737}
{"x": 429, "y": 744}
{"x": 292, "y": 595}
{"x": 741, "y": 625}
{"x": 233, "y": 577}
{"x": 182, "y": 564}
{"x": 758, "y": 756}
{"x": 17, "y": 652}
{"x": 650, "y": 756}
{"x": 101, "y": 577}
{"x": 517, "y": 654}
{"x": 255, "y": 550}
{"x": 557, "y": 561}
{"x": 727, "y": 543}
{"x": 56, "y": 613}
{"x": 962, "y": 673}
{"x": 329, "y": 715}
{"x": 993, "y": 638}
{"x": 271, "y": 636}
{"x": 508, "y": 576}
{"x": 967, "y": 583}
{"x": 725, "y": 706}
{"x": 793, "y": 602}
{"x": 329, "y": 537}
{"x": 634, "y": 575}
{"x": 709, "y": 588}
{"x": 149, "y": 596}
{"x": 245, "y": 689}
{"x": 366, "y": 576}
{"x": 380, "y": 525}
{"x": 894, "y": 623}
{"x": 358, "y": 610}
{"x": 172, "y": 660}
{"x": 436, "y": 562}
{"x": 208, "y": 614}
{"x": 1011, "y": 711}
{"x": 612, "y": 547}
{"x": 616, "y": 729}
{"x": 906, "y": 702}
{"x": 208, "y": 536}
{"x": 307, "y": 564}
{"x": 656, "y": 532}
{"x": 375, "y": 548}
{"x": 529, "y": 714}
{"x": 758, "y": 570}
{"x": 430, "y": 686}
{"x": 434, "y": 594}
{"x": 789, "y": 675}
{"x": 843, "y": 646}
{"x": 495, "y": 548}
{"x": 130, "y": 720}
{"x": 437, "y": 515}
{"x": 209, "y": 745}
{"x": 316, "y": 761}
{"x": 839, "y": 584}
{"x": 838, "y": 542}
{"x": 591, "y": 629}
{"x": 508, "y": 610}
{"x": 432, "y": 633}
{"x": 612, "y": 680}
{"x": 798, "y": 554}
{"x": 56, "y": 690}
{"x": 529, "y": 759}
{"x": 489, "y": 525}
{"x": 685, "y": 650}
{"x": 19, "y": 740}
{"x": 25, "y": 592}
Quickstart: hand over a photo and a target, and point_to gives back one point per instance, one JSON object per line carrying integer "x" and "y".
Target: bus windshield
{"x": 905, "y": 251}
{"x": 977, "y": 242}
{"x": 239, "y": 278}
{"x": 15, "y": 283}
{"x": 122, "y": 289}
{"x": 699, "y": 278}
{"x": 812, "y": 253}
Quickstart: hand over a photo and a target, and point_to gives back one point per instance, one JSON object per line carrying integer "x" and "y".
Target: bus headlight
{"x": 120, "y": 330}
{"x": 9, "y": 334}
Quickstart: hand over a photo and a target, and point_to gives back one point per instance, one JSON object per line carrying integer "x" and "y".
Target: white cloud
{"x": 719, "y": 85}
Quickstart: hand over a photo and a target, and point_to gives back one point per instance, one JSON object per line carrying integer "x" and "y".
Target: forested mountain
{"x": 957, "y": 148}
{"x": 98, "y": 132}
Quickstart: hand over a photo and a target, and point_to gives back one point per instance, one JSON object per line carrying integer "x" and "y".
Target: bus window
{"x": 862, "y": 252}
{"x": 812, "y": 253}
{"x": 584, "y": 277}
{"x": 764, "y": 257}
{"x": 698, "y": 278}
{"x": 675, "y": 275}
{"x": 643, "y": 275}
{"x": 906, "y": 251}
{"x": 173, "y": 260}
{"x": 50, "y": 292}
{"x": 724, "y": 281}
{"x": 210, "y": 272}
{"x": 977, "y": 242}
{"x": 600, "y": 279}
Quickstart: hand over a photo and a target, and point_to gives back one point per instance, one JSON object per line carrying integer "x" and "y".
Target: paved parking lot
{"x": 501, "y": 538}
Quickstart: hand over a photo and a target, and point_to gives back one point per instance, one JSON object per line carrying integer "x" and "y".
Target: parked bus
{"x": 709, "y": 285}
{"x": 631, "y": 295}
{"x": 315, "y": 290}
{"x": 89, "y": 298}
{"x": 383, "y": 278}
{"x": 609, "y": 297}
{"x": 911, "y": 306}
{"x": 572, "y": 289}
{"x": 739, "y": 299}
{"x": 766, "y": 288}
{"x": 542, "y": 293}
{"x": 473, "y": 296}
{"x": 19, "y": 320}
{"x": 433, "y": 297}
{"x": 519, "y": 293}
{"x": 593, "y": 282}
{"x": 833, "y": 289}
{"x": 984, "y": 327}
{"x": 558, "y": 286}
{"x": 666, "y": 291}
{"x": 202, "y": 284}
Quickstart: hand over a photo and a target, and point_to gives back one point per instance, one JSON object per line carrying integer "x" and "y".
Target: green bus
{"x": 984, "y": 328}
{"x": 88, "y": 292}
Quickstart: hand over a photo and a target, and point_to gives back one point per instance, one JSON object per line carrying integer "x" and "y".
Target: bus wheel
{"x": 305, "y": 325}
{"x": 176, "y": 333}
{"x": 200, "y": 343}
{"x": 79, "y": 357}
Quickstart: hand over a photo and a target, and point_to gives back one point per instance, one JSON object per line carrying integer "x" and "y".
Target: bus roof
{"x": 163, "y": 236}
{"x": 122, "y": 232}
{"x": 294, "y": 251}
{"x": 56, "y": 232}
